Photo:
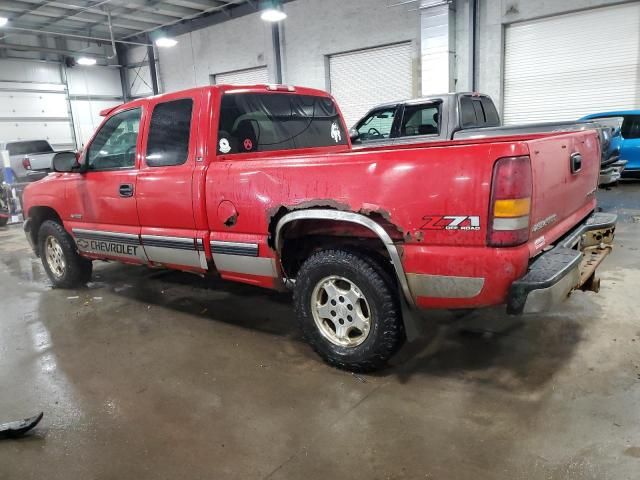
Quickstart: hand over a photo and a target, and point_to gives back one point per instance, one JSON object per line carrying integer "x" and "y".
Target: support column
{"x": 152, "y": 69}
{"x": 277, "y": 59}
{"x": 437, "y": 46}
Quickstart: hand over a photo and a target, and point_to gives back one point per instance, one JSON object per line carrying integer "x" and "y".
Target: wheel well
{"x": 302, "y": 238}
{"x": 38, "y": 215}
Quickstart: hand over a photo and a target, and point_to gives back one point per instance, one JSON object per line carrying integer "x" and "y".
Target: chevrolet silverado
{"x": 259, "y": 184}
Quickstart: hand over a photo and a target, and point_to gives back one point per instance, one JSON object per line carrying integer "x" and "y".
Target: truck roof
{"x": 427, "y": 98}
{"x": 257, "y": 88}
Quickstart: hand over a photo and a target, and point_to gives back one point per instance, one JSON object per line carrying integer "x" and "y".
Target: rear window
{"x": 478, "y": 112}
{"x": 259, "y": 122}
{"x": 33, "y": 146}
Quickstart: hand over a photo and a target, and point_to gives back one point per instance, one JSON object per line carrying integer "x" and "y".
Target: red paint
{"x": 412, "y": 186}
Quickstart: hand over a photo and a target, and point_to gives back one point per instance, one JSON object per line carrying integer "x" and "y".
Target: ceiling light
{"x": 87, "y": 61}
{"x": 273, "y": 15}
{"x": 166, "y": 42}
{"x": 3, "y": 21}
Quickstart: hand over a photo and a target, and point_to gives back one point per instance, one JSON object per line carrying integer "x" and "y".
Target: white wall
{"x": 92, "y": 89}
{"x": 238, "y": 44}
{"x": 313, "y": 30}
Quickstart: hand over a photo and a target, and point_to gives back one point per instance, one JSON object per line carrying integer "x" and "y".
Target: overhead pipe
{"x": 113, "y": 42}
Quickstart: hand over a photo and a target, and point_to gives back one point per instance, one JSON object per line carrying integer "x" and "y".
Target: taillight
{"x": 26, "y": 163}
{"x": 511, "y": 189}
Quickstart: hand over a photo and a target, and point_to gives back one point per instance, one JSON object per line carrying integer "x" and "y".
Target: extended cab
{"x": 259, "y": 184}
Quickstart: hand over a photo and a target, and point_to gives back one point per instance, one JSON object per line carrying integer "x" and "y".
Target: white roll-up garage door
{"x": 362, "y": 79}
{"x": 564, "y": 67}
{"x": 249, "y": 76}
{"x": 34, "y": 103}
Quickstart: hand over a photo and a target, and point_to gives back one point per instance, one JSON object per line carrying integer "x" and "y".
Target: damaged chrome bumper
{"x": 570, "y": 265}
{"x": 612, "y": 173}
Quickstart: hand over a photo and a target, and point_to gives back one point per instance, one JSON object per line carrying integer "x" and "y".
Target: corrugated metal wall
{"x": 564, "y": 67}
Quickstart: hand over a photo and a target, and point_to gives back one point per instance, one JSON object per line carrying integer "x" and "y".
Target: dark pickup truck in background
{"x": 466, "y": 115}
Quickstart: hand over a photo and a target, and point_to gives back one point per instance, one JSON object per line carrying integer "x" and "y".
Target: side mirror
{"x": 65, "y": 162}
{"x": 353, "y": 133}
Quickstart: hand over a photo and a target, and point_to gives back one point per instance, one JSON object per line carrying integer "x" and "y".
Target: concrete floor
{"x": 152, "y": 375}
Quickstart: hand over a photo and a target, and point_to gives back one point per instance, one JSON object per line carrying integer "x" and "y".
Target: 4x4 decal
{"x": 451, "y": 222}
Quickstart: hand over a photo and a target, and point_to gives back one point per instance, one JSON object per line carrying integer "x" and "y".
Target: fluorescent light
{"x": 166, "y": 42}
{"x": 273, "y": 15}
{"x": 86, "y": 61}
{"x": 3, "y": 21}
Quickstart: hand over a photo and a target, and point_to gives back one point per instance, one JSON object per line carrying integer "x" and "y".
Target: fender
{"x": 408, "y": 306}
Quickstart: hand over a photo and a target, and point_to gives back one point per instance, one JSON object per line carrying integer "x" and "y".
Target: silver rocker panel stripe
{"x": 376, "y": 228}
{"x": 444, "y": 286}
{"x": 169, "y": 242}
{"x": 126, "y": 238}
{"x": 262, "y": 266}
{"x": 110, "y": 244}
{"x": 234, "y": 248}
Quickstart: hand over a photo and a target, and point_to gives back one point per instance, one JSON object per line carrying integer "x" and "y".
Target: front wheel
{"x": 64, "y": 266}
{"x": 348, "y": 310}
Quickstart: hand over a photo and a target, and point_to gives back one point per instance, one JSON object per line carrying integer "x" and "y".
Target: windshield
{"x": 32, "y": 146}
{"x": 256, "y": 122}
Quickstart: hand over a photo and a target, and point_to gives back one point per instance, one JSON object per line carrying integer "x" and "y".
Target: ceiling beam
{"x": 35, "y": 48}
{"x": 77, "y": 36}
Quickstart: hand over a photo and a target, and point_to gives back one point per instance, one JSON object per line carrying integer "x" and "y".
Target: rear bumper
{"x": 612, "y": 173}
{"x": 570, "y": 265}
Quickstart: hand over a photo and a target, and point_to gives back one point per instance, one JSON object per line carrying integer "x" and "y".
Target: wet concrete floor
{"x": 151, "y": 375}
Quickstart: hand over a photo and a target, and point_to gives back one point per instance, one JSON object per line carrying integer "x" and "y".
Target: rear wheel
{"x": 64, "y": 266}
{"x": 348, "y": 310}
{"x": 4, "y": 221}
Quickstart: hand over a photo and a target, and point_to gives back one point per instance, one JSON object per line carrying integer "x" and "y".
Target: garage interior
{"x": 153, "y": 373}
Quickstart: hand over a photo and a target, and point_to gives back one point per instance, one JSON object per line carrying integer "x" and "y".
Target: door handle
{"x": 576, "y": 162}
{"x": 126, "y": 190}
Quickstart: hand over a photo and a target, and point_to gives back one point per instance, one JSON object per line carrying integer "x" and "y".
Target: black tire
{"x": 77, "y": 269}
{"x": 4, "y": 221}
{"x": 386, "y": 332}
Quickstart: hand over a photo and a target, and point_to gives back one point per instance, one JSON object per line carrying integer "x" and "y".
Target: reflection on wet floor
{"x": 155, "y": 374}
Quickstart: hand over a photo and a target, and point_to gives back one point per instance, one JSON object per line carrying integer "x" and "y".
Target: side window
{"x": 259, "y": 122}
{"x": 420, "y": 120}
{"x": 377, "y": 125}
{"x": 169, "y": 133}
{"x": 467, "y": 112}
{"x": 631, "y": 127}
{"x": 114, "y": 146}
{"x": 491, "y": 114}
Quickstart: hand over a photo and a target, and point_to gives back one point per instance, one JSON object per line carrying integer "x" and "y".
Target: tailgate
{"x": 40, "y": 161}
{"x": 565, "y": 177}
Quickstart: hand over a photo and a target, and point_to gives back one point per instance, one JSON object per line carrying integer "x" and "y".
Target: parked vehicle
{"x": 30, "y": 160}
{"x": 260, "y": 185}
{"x": 5, "y": 211}
{"x": 628, "y": 142}
{"x": 463, "y": 115}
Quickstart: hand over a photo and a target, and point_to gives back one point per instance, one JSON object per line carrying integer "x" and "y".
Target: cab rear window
{"x": 258, "y": 122}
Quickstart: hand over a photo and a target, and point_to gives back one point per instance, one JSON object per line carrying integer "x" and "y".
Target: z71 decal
{"x": 451, "y": 222}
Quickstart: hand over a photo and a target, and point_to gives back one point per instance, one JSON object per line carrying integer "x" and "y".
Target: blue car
{"x": 628, "y": 142}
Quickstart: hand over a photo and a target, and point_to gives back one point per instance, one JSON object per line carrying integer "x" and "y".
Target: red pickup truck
{"x": 259, "y": 184}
